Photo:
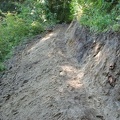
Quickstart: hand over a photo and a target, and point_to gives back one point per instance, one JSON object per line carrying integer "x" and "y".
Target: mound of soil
{"x": 66, "y": 74}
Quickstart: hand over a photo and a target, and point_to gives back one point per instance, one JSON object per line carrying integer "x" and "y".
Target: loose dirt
{"x": 62, "y": 75}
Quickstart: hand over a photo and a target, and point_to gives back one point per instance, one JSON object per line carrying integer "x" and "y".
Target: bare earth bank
{"x": 68, "y": 74}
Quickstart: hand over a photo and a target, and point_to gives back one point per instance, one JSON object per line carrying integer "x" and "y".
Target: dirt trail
{"x": 46, "y": 83}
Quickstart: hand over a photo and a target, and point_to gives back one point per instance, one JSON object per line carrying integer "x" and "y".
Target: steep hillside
{"x": 66, "y": 74}
{"x": 99, "y": 59}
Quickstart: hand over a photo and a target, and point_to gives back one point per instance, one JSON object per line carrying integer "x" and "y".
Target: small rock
{"x": 112, "y": 66}
{"x": 111, "y": 80}
{"x": 62, "y": 73}
{"x": 25, "y": 81}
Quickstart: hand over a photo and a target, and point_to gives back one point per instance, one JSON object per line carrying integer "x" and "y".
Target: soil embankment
{"x": 68, "y": 74}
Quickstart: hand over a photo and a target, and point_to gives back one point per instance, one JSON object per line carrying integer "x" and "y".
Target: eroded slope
{"x": 68, "y": 74}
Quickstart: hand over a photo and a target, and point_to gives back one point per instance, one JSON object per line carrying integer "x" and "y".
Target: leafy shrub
{"x": 15, "y": 27}
{"x": 99, "y": 15}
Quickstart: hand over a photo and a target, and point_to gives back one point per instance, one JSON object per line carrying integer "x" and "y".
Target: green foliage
{"x": 116, "y": 27}
{"x": 60, "y": 8}
{"x": 2, "y": 67}
{"x": 15, "y": 27}
{"x": 99, "y": 15}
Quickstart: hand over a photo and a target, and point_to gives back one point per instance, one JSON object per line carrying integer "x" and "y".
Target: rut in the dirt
{"x": 68, "y": 74}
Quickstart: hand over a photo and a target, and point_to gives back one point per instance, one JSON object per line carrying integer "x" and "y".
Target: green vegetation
{"x": 98, "y": 15}
{"x": 25, "y": 18}
{"x": 19, "y": 20}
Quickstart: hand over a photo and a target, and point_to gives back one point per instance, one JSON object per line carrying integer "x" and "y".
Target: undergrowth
{"x": 15, "y": 27}
{"x": 98, "y": 15}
